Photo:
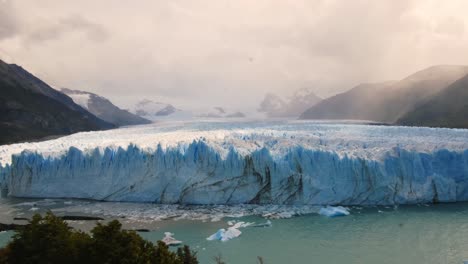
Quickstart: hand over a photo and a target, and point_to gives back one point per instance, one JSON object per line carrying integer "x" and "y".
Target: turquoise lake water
{"x": 407, "y": 234}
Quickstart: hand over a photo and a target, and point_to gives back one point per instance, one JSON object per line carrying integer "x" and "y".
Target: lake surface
{"x": 405, "y": 234}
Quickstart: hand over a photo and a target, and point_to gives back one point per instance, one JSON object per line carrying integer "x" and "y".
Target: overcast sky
{"x": 228, "y": 53}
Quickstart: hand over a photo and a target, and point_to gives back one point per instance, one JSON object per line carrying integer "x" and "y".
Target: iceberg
{"x": 266, "y": 224}
{"x": 225, "y": 235}
{"x": 333, "y": 211}
{"x": 229, "y": 233}
{"x": 170, "y": 240}
{"x": 232, "y": 163}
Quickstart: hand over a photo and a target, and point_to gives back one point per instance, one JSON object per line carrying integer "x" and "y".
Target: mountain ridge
{"x": 104, "y": 108}
{"x": 448, "y": 108}
{"x": 274, "y": 106}
{"x": 387, "y": 102}
{"x": 30, "y": 109}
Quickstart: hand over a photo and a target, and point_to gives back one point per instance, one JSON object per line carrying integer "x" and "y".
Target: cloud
{"x": 8, "y": 21}
{"x": 53, "y": 30}
{"x": 203, "y": 53}
{"x": 13, "y": 24}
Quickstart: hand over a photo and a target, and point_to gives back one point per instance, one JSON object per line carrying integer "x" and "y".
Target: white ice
{"x": 333, "y": 211}
{"x": 170, "y": 240}
{"x": 229, "y": 233}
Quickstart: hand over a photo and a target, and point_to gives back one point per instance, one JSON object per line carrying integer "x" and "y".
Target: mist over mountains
{"x": 389, "y": 101}
{"x": 31, "y": 109}
{"x": 104, "y": 109}
{"x": 275, "y": 106}
{"x": 153, "y": 110}
{"x": 447, "y": 108}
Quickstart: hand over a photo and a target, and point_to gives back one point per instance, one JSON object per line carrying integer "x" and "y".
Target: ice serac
{"x": 197, "y": 173}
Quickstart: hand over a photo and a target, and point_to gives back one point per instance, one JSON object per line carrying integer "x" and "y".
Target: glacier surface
{"x": 269, "y": 162}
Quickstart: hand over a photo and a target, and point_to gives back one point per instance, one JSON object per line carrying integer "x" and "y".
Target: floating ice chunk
{"x": 333, "y": 211}
{"x": 229, "y": 233}
{"x": 242, "y": 224}
{"x": 218, "y": 235}
{"x": 266, "y": 224}
{"x": 225, "y": 235}
{"x": 216, "y": 218}
{"x": 26, "y": 204}
{"x": 170, "y": 240}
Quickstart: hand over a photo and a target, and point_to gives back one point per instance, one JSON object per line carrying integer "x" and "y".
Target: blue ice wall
{"x": 199, "y": 175}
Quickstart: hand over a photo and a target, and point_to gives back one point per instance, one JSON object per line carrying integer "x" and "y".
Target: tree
{"x": 186, "y": 255}
{"x": 49, "y": 239}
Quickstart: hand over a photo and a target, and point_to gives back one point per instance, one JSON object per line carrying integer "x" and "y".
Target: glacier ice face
{"x": 280, "y": 162}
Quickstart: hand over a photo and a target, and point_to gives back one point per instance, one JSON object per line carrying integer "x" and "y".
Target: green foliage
{"x": 49, "y": 239}
{"x": 186, "y": 255}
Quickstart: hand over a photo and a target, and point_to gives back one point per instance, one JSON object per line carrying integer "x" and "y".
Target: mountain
{"x": 448, "y": 108}
{"x": 154, "y": 110}
{"x": 30, "y": 109}
{"x": 359, "y": 103}
{"x": 300, "y": 101}
{"x": 274, "y": 106}
{"x": 388, "y": 101}
{"x": 104, "y": 109}
{"x": 220, "y": 112}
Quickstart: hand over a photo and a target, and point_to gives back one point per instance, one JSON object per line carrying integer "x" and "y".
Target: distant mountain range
{"x": 221, "y": 112}
{"x": 153, "y": 110}
{"x": 393, "y": 102}
{"x": 157, "y": 111}
{"x": 275, "y": 106}
{"x": 104, "y": 109}
{"x": 31, "y": 110}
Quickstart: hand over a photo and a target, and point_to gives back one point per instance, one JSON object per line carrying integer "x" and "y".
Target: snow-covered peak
{"x": 302, "y": 99}
{"x": 153, "y": 110}
{"x": 81, "y": 99}
{"x": 103, "y": 108}
{"x": 304, "y": 96}
{"x": 271, "y": 103}
{"x": 220, "y": 112}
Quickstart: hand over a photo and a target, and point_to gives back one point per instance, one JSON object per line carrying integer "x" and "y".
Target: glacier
{"x": 279, "y": 162}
